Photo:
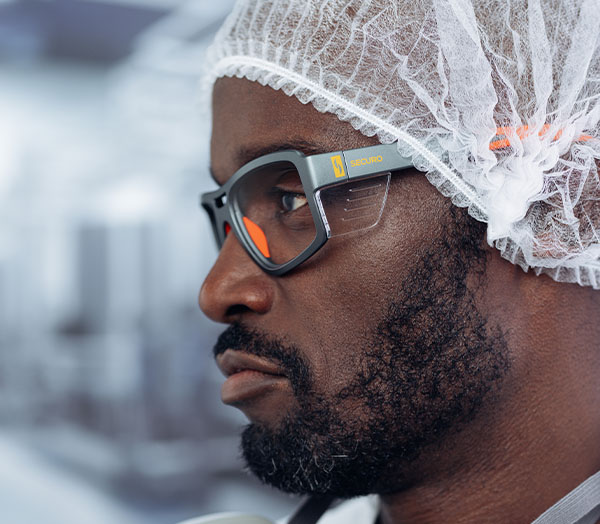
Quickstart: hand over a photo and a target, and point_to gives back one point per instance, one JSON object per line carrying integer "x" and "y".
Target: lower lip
{"x": 249, "y": 385}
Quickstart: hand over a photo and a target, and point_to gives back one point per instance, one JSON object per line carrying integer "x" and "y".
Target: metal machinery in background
{"x": 105, "y": 359}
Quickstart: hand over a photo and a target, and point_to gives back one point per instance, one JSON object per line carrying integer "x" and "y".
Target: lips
{"x": 249, "y": 377}
{"x": 231, "y": 362}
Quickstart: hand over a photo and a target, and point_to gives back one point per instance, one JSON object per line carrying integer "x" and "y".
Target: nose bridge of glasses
{"x": 215, "y": 205}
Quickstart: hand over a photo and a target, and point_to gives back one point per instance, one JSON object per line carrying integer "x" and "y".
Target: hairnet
{"x": 497, "y": 101}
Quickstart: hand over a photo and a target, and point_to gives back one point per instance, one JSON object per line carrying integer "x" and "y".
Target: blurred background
{"x": 109, "y": 398}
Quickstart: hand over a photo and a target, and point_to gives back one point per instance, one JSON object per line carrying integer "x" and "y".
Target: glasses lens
{"x": 355, "y": 205}
{"x": 275, "y": 212}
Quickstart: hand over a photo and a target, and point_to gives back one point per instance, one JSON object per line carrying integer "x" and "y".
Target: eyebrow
{"x": 246, "y": 154}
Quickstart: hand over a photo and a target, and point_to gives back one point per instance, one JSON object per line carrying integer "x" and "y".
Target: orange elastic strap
{"x": 522, "y": 132}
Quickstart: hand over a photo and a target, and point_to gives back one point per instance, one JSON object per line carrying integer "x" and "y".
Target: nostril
{"x": 237, "y": 309}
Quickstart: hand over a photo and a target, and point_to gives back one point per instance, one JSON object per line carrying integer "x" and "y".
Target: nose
{"x": 235, "y": 286}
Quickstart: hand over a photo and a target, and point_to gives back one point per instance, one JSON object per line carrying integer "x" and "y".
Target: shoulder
{"x": 362, "y": 510}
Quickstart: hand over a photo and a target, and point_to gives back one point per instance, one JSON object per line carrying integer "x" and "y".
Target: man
{"x": 382, "y": 341}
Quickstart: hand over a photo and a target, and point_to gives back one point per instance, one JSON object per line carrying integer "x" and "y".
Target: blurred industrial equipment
{"x": 105, "y": 360}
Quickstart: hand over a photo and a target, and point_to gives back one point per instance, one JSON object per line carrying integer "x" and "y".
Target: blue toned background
{"x": 109, "y": 399}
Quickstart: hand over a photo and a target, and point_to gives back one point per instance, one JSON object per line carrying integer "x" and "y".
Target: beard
{"x": 431, "y": 364}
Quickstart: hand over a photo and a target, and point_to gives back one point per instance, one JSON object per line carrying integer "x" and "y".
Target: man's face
{"x": 384, "y": 351}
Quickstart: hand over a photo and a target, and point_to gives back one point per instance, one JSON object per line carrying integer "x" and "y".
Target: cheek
{"x": 363, "y": 272}
{"x": 344, "y": 292}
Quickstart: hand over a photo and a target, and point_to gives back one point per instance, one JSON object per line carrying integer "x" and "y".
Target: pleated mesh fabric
{"x": 496, "y": 100}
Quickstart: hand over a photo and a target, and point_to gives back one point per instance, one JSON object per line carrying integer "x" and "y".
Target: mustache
{"x": 241, "y": 338}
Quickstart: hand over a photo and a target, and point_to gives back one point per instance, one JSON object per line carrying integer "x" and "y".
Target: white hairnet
{"x": 496, "y": 100}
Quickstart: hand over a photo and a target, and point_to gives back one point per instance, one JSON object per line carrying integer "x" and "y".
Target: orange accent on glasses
{"x": 258, "y": 237}
{"x": 227, "y": 228}
{"x": 522, "y": 132}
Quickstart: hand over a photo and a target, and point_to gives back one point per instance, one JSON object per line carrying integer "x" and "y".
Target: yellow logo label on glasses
{"x": 338, "y": 166}
{"x": 365, "y": 161}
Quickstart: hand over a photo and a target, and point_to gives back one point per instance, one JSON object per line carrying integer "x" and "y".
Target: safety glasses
{"x": 284, "y": 206}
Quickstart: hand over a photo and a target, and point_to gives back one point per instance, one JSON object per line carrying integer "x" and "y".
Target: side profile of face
{"x": 387, "y": 353}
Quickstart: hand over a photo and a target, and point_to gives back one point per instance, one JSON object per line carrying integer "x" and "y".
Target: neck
{"x": 509, "y": 481}
{"x": 540, "y": 443}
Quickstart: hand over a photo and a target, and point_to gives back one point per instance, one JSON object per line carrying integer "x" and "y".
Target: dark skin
{"x": 541, "y": 438}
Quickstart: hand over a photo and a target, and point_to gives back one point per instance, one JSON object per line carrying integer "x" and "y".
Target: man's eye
{"x": 293, "y": 201}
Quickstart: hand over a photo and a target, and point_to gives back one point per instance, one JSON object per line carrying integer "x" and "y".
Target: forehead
{"x": 249, "y": 116}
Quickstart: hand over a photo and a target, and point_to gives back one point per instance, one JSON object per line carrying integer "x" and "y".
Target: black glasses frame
{"x": 316, "y": 172}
